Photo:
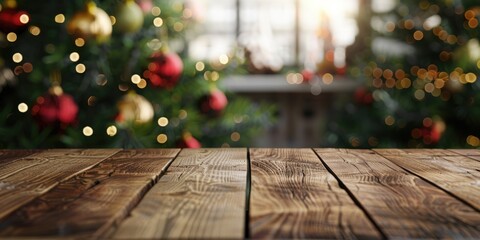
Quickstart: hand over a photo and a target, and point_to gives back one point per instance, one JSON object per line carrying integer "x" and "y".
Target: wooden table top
{"x": 240, "y": 193}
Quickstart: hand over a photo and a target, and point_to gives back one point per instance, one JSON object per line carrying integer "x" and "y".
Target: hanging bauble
{"x": 91, "y": 23}
{"x": 433, "y": 132}
{"x": 213, "y": 103}
{"x": 12, "y": 19}
{"x": 188, "y": 141}
{"x": 145, "y": 5}
{"x": 55, "y": 108}
{"x": 134, "y": 108}
{"x": 129, "y": 17}
{"x": 164, "y": 70}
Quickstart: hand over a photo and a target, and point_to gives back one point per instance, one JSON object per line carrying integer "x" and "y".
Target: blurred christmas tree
{"x": 68, "y": 78}
{"x": 419, "y": 62}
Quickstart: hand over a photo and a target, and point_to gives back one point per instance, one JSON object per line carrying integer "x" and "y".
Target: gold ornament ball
{"x": 134, "y": 108}
{"x": 92, "y": 22}
{"x": 129, "y": 17}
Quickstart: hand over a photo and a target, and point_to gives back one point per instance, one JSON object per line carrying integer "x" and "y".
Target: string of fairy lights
{"x": 137, "y": 79}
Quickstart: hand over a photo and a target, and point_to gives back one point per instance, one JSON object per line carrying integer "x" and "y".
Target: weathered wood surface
{"x": 25, "y": 178}
{"x": 471, "y": 153}
{"x": 206, "y": 193}
{"x": 294, "y": 196}
{"x": 402, "y": 204}
{"x": 459, "y": 175}
{"x": 202, "y": 195}
{"x": 88, "y": 204}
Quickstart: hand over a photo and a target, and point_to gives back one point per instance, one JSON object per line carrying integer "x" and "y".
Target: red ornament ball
{"x": 164, "y": 70}
{"x": 363, "y": 96}
{"x": 188, "y": 141}
{"x": 307, "y": 75}
{"x": 13, "y": 20}
{"x": 55, "y": 108}
{"x": 214, "y": 102}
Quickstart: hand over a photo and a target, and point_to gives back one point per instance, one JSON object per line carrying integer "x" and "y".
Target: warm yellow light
{"x": 163, "y": 121}
{"x": 34, "y": 30}
{"x": 327, "y": 78}
{"x": 471, "y": 77}
{"x": 157, "y": 22}
{"x": 178, "y": 26}
{"x": 390, "y": 83}
{"x": 156, "y": 11}
{"x": 135, "y": 78}
{"x": 79, "y": 42}
{"x": 473, "y": 141}
{"x": 17, "y": 57}
{"x": 12, "y": 37}
{"x": 419, "y": 94}
{"x": 235, "y": 136}
{"x": 111, "y": 131}
{"x": 429, "y": 87}
{"x": 113, "y": 20}
{"x": 80, "y": 68}
{"x": 389, "y": 120}
{"x": 406, "y": 83}
{"x": 74, "y": 56}
{"x": 214, "y": 76}
{"x": 223, "y": 59}
{"x": 182, "y": 114}
{"x": 200, "y": 66}
{"x": 87, "y": 131}
{"x": 60, "y": 18}
{"x": 22, "y": 107}
{"x": 162, "y": 138}
{"x": 142, "y": 84}
{"x": 24, "y": 18}
{"x": 418, "y": 35}
{"x": 473, "y": 23}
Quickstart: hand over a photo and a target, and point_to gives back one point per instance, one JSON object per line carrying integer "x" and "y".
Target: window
{"x": 290, "y": 32}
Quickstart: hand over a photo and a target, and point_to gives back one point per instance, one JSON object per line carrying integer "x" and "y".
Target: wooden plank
{"x": 294, "y": 196}
{"x": 402, "y": 204}
{"x": 467, "y": 152}
{"x": 26, "y": 178}
{"x": 459, "y": 175}
{"x": 88, "y": 204}
{"x": 7, "y": 156}
{"x": 471, "y": 153}
{"x": 419, "y": 152}
{"x": 202, "y": 195}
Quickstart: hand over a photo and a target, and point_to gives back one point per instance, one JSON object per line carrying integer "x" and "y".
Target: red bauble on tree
{"x": 12, "y": 19}
{"x": 188, "y": 141}
{"x": 307, "y": 75}
{"x": 164, "y": 70}
{"x": 363, "y": 96}
{"x": 214, "y": 102}
{"x": 55, "y": 108}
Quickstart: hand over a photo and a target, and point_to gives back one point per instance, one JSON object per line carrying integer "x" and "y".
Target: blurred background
{"x": 231, "y": 73}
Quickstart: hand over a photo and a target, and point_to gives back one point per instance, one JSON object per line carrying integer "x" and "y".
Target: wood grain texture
{"x": 7, "y": 156}
{"x": 416, "y": 152}
{"x": 24, "y": 179}
{"x": 202, "y": 195}
{"x": 294, "y": 196}
{"x": 87, "y": 205}
{"x": 471, "y": 153}
{"x": 402, "y": 204}
{"x": 459, "y": 175}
